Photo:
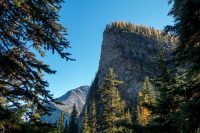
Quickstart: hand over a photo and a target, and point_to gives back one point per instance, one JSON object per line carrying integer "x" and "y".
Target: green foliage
{"x": 86, "y": 127}
{"x": 166, "y": 112}
{"x": 93, "y": 120}
{"x": 26, "y": 29}
{"x": 60, "y": 123}
{"x": 37, "y": 128}
{"x": 113, "y": 113}
{"x": 10, "y": 120}
{"x": 17, "y": 3}
{"x": 186, "y": 27}
{"x": 186, "y": 56}
{"x": 128, "y": 122}
{"x": 165, "y": 101}
{"x": 73, "y": 125}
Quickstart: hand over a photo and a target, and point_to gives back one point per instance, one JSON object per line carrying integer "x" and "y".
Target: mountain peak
{"x": 77, "y": 96}
{"x": 82, "y": 89}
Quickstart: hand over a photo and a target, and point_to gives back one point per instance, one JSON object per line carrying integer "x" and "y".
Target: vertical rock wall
{"x": 131, "y": 54}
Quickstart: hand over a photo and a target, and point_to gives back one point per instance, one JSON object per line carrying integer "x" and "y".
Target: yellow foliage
{"x": 144, "y": 116}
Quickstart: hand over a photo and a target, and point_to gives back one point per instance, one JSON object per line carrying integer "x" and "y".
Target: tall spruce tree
{"x": 165, "y": 99}
{"x": 73, "y": 125}
{"x": 167, "y": 103}
{"x": 60, "y": 123}
{"x": 26, "y": 28}
{"x": 86, "y": 126}
{"x": 186, "y": 14}
{"x": 113, "y": 113}
{"x": 93, "y": 120}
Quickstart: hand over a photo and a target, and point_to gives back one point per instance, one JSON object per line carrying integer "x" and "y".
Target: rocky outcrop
{"x": 77, "y": 96}
{"x": 130, "y": 50}
{"x": 132, "y": 57}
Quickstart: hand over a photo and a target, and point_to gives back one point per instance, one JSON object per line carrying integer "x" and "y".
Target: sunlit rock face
{"x": 130, "y": 51}
{"x": 132, "y": 57}
{"x": 77, "y": 96}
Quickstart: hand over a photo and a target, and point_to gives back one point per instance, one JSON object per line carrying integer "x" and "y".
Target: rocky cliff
{"x": 130, "y": 50}
{"x": 77, "y": 96}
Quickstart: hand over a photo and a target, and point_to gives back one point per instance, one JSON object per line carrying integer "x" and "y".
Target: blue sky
{"x": 85, "y": 21}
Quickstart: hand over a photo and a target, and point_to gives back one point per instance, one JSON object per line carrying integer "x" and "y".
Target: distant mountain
{"x": 77, "y": 96}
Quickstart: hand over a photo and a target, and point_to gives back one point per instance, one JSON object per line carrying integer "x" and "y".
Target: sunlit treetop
{"x": 147, "y": 31}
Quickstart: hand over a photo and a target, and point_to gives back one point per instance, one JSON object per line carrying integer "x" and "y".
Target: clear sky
{"x": 85, "y": 21}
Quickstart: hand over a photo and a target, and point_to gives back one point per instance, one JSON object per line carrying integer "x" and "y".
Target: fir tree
{"x": 60, "y": 123}
{"x": 167, "y": 111}
{"x": 73, "y": 125}
{"x": 24, "y": 30}
{"x": 113, "y": 113}
{"x": 166, "y": 102}
{"x": 186, "y": 14}
{"x": 93, "y": 120}
{"x": 86, "y": 127}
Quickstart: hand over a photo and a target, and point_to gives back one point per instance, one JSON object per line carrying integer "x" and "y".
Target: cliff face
{"x": 130, "y": 50}
{"x": 131, "y": 56}
{"x": 77, "y": 96}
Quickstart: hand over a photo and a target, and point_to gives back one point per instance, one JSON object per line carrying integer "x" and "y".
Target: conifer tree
{"x": 186, "y": 14}
{"x": 60, "y": 123}
{"x": 86, "y": 127}
{"x": 167, "y": 111}
{"x": 145, "y": 96}
{"x": 166, "y": 102}
{"x": 113, "y": 113}
{"x": 163, "y": 104}
{"x": 128, "y": 124}
{"x": 28, "y": 27}
{"x": 93, "y": 120}
{"x": 73, "y": 125}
